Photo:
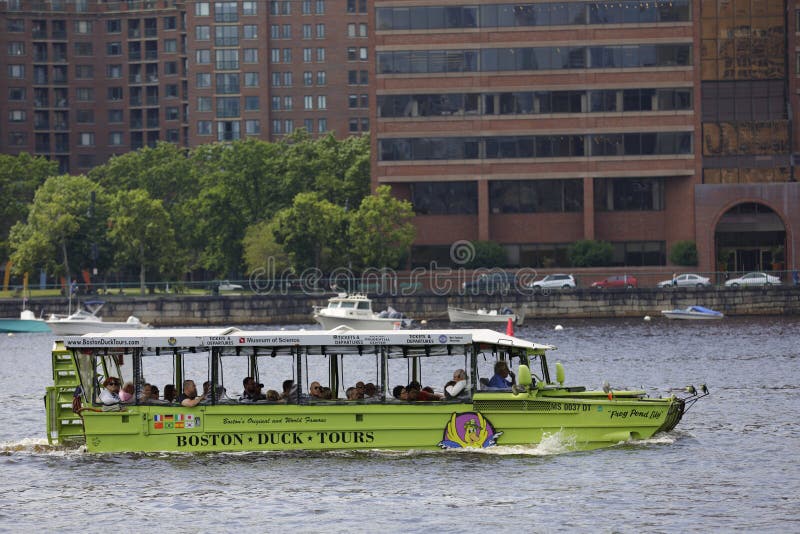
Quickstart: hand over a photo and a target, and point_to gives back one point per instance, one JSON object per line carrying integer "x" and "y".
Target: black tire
{"x": 566, "y": 286}
{"x": 629, "y": 286}
{"x": 767, "y": 284}
{"x": 735, "y": 286}
{"x": 700, "y": 286}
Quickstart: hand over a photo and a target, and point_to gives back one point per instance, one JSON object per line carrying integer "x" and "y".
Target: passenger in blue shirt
{"x": 501, "y": 372}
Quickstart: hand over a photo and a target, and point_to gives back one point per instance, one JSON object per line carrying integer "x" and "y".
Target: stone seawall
{"x": 296, "y": 309}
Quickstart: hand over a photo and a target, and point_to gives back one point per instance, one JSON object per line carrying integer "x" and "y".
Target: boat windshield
{"x": 363, "y": 305}
{"x": 347, "y": 304}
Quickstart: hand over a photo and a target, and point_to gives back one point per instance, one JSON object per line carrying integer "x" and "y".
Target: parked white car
{"x": 226, "y": 285}
{"x": 554, "y": 281}
{"x": 754, "y": 279}
{"x": 686, "y": 280}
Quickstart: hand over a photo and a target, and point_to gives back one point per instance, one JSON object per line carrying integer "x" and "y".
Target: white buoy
{"x": 423, "y": 322}
{"x": 11, "y": 334}
{"x": 647, "y": 318}
{"x": 559, "y": 327}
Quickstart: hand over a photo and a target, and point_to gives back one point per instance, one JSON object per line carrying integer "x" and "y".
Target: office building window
{"x": 275, "y": 31}
{"x": 228, "y": 107}
{"x": 114, "y": 49}
{"x": 171, "y": 113}
{"x": 275, "y": 103}
{"x": 114, "y": 94}
{"x": 84, "y": 116}
{"x": 115, "y": 138}
{"x": 535, "y": 196}
{"x": 249, "y": 8}
{"x": 320, "y": 55}
{"x": 203, "y": 57}
{"x": 17, "y": 138}
{"x": 114, "y": 71}
{"x": 204, "y": 127}
{"x": 252, "y": 103}
{"x": 287, "y": 79}
{"x": 15, "y": 25}
{"x": 307, "y": 55}
{"x": 307, "y": 31}
{"x": 227, "y": 83}
{"x": 288, "y": 103}
{"x": 322, "y": 77}
{"x": 114, "y": 26}
{"x": 225, "y": 12}
{"x": 320, "y": 31}
{"x": 252, "y": 127}
{"x": 227, "y": 59}
{"x": 226, "y": 35}
{"x": 275, "y": 55}
{"x": 308, "y": 78}
{"x": 170, "y": 68}
{"x": 444, "y": 198}
{"x": 251, "y": 79}
{"x": 629, "y": 194}
{"x": 287, "y": 55}
{"x": 84, "y": 72}
{"x": 84, "y": 94}
{"x": 171, "y": 90}
{"x": 201, "y": 9}
{"x": 308, "y": 102}
{"x": 250, "y": 55}
{"x": 288, "y": 126}
{"x": 306, "y": 7}
{"x": 228, "y": 131}
{"x": 115, "y": 116}
{"x": 320, "y": 7}
{"x": 86, "y": 139}
{"x": 17, "y": 115}
{"x": 351, "y": 29}
{"x": 286, "y": 31}
{"x": 203, "y": 103}
{"x": 322, "y": 125}
{"x": 250, "y": 31}
{"x": 84, "y": 26}
{"x": 276, "y": 126}
{"x": 322, "y": 102}
{"x": 170, "y": 23}
{"x": 276, "y": 79}
{"x": 203, "y": 79}
{"x": 202, "y": 33}
{"x": 170, "y": 46}
{"x": 16, "y": 93}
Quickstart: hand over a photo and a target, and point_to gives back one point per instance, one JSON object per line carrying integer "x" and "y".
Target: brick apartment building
{"x": 639, "y": 122}
{"x": 532, "y": 124}
{"x": 86, "y": 79}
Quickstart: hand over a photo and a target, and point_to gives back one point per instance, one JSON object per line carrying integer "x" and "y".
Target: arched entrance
{"x": 750, "y": 237}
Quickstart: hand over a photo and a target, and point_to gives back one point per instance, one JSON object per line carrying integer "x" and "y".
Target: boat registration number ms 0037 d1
{"x": 290, "y": 439}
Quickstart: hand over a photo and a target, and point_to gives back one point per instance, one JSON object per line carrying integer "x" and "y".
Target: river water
{"x": 731, "y": 464}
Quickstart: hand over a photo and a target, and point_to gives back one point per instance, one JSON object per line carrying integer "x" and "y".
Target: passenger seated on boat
{"x": 110, "y": 393}
{"x": 327, "y": 394}
{"x": 146, "y": 393}
{"x": 170, "y": 393}
{"x": 370, "y": 391}
{"x": 457, "y": 386}
{"x": 501, "y": 372}
{"x": 126, "y": 395}
{"x": 400, "y": 393}
{"x": 273, "y": 395}
{"x": 221, "y": 391}
{"x": 418, "y": 393}
{"x": 252, "y": 391}
{"x": 289, "y": 391}
{"x": 361, "y": 388}
{"x": 352, "y": 394}
{"x": 189, "y": 397}
{"x": 315, "y": 390}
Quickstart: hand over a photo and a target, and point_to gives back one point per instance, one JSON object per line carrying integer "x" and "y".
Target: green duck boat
{"x": 313, "y": 406}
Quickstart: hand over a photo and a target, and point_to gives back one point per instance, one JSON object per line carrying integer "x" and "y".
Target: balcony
{"x": 61, "y": 126}
{"x": 136, "y": 124}
{"x": 135, "y": 100}
{"x": 41, "y": 124}
{"x": 135, "y": 78}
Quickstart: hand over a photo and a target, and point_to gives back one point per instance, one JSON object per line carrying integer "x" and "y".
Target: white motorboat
{"x": 88, "y": 322}
{"x": 461, "y": 315}
{"x": 693, "y": 313}
{"x": 355, "y": 311}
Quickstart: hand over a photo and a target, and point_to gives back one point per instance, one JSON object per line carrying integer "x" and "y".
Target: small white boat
{"x": 693, "y": 313}
{"x": 88, "y": 322}
{"x": 460, "y": 315}
{"x": 355, "y": 311}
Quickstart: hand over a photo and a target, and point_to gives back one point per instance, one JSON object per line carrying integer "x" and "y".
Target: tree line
{"x": 225, "y": 208}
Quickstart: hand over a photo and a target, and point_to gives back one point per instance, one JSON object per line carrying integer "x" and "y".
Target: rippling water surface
{"x": 732, "y": 463}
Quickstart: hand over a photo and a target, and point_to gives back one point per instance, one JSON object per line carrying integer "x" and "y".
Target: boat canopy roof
{"x": 233, "y": 337}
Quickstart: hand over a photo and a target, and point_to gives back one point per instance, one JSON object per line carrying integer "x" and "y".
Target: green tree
{"x": 20, "y": 176}
{"x": 381, "y": 231}
{"x": 683, "y": 253}
{"x": 141, "y": 233}
{"x": 67, "y": 217}
{"x": 169, "y": 175}
{"x": 589, "y": 253}
{"x": 487, "y": 254}
{"x": 262, "y": 251}
{"x": 311, "y": 231}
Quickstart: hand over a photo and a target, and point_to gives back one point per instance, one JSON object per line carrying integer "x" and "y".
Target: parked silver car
{"x": 554, "y": 281}
{"x": 753, "y": 279}
{"x": 686, "y": 280}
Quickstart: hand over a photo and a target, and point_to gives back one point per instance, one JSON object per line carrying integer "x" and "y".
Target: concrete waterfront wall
{"x": 296, "y": 309}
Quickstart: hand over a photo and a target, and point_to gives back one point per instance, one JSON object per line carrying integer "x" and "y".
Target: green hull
{"x": 510, "y": 420}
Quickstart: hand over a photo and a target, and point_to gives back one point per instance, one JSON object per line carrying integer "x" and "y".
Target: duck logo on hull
{"x": 469, "y": 430}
